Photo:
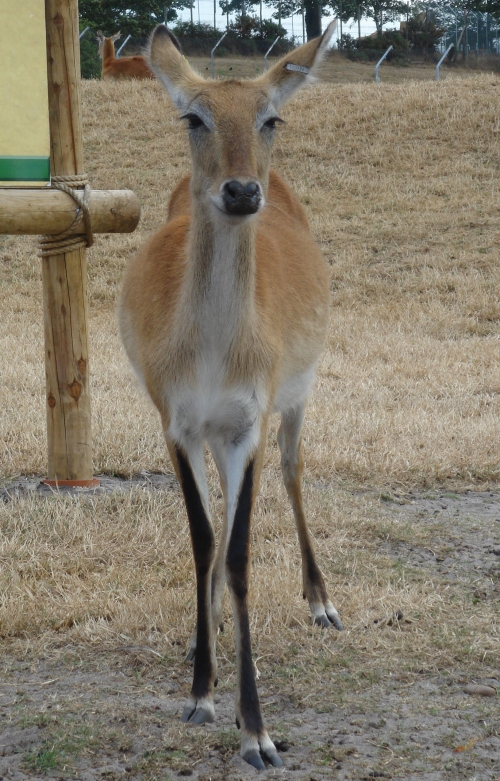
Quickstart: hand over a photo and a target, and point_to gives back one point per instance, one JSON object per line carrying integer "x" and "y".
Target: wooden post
{"x": 65, "y": 276}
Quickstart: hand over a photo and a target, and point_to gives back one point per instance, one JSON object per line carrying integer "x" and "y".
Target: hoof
{"x": 337, "y": 623}
{"x": 324, "y": 614}
{"x": 274, "y": 759}
{"x": 190, "y": 655}
{"x": 198, "y": 715}
{"x": 329, "y": 620}
{"x": 322, "y": 621}
{"x": 254, "y": 758}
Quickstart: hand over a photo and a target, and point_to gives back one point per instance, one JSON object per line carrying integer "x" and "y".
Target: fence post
{"x": 212, "y": 58}
{"x": 64, "y": 276}
{"x": 123, "y": 44}
{"x": 379, "y": 63}
{"x": 441, "y": 60}
{"x": 270, "y": 48}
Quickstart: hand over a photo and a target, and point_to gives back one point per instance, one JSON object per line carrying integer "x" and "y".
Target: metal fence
{"x": 481, "y": 33}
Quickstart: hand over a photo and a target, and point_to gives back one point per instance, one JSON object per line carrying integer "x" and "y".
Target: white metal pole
{"x": 441, "y": 60}
{"x": 212, "y": 58}
{"x": 123, "y": 44}
{"x": 271, "y": 47}
{"x": 379, "y": 63}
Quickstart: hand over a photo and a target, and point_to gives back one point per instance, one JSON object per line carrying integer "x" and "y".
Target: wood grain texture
{"x": 49, "y": 212}
{"x": 66, "y": 366}
{"x": 64, "y": 276}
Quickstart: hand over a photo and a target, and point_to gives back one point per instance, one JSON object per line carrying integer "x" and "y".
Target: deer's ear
{"x": 116, "y": 36}
{"x": 297, "y": 68}
{"x": 171, "y": 67}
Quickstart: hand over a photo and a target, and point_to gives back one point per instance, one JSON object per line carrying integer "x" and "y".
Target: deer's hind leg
{"x": 190, "y": 470}
{"x": 289, "y": 440}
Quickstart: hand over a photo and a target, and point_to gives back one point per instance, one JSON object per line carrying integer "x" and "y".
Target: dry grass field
{"x": 340, "y": 70}
{"x": 401, "y": 184}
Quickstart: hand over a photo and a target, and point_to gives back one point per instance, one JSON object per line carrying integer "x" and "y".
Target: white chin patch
{"x": 220, "y": 212}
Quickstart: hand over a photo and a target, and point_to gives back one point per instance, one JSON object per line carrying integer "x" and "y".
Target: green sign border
{"x": 15, "y": 168}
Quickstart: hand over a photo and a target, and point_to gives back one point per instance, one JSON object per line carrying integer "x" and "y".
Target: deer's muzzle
{"x": 241, "y": 198}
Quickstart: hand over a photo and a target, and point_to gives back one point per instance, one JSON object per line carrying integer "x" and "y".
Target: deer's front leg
{"x": 199, "y": 707}
{"x": 256, "y": 744}
{"x": 219, "y": 453}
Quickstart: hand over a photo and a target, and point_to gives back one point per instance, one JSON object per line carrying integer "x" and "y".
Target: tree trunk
{"x": 458, "y": 44}
{"x": 313, "y": 18}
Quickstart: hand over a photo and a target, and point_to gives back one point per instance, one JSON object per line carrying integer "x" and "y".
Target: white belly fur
{"x": 206, "y": 409}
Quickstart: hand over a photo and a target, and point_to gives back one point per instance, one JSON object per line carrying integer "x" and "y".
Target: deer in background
{"x": 134, "y": 67}
{"x": 223, "y": 315}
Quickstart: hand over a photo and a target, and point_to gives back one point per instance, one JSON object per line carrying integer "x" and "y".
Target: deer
{"x": 223, "y": 315}
{"x": 134, "y": 67}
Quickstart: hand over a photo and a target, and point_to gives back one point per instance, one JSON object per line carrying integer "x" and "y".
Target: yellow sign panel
{"x": 24, "y": 106}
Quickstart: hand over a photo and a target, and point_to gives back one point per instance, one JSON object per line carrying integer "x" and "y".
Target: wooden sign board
{"x": 24, "y": 105}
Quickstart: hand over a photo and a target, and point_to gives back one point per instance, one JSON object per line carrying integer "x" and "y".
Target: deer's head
{"x": 231, "y": 124}
{"x": 101, "y": 39}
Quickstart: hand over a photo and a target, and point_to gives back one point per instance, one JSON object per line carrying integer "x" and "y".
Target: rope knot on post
{"x": 66, "y": 241}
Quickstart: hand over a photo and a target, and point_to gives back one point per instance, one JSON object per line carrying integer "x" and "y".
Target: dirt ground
{"x": 113, "y": 712}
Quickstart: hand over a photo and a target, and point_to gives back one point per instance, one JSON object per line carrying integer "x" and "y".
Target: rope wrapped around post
{"x": 65, "y": 241}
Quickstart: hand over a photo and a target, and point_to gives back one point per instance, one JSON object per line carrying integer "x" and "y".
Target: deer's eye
{"x": 194, "y": 121}
{"x": 270, "y": 123}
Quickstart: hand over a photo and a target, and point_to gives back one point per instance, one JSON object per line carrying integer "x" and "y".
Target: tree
{"x": 242, "y": 8}
{"x": 313, "y": 15}
{"x": 383, "y": 11}
{"x": 465, "y": 8}
{"x": 250, "y": 27}
{"x": 134, "y": 17}
{"x": 423, "y": 33}
{"x": 492, "y": 7}
{"x": 314, "y": 10}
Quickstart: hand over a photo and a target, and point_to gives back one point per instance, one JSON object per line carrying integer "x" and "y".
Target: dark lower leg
{"x": 255, "y": 742}
{"x": 199, "y": 707}
{"x": 218, "y": 582}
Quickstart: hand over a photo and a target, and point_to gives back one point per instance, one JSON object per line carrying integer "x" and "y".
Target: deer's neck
{"x": 221, "y": 278}
{"x": 108, "y": 52}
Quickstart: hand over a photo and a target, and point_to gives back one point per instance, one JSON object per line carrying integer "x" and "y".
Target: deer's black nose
{"x": 241, "y": 198}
